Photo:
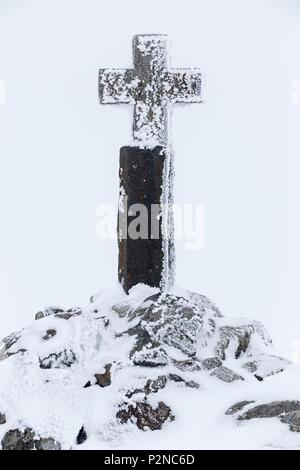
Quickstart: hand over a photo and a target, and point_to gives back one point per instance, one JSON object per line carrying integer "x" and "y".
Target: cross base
{"x": 141, "y": 259}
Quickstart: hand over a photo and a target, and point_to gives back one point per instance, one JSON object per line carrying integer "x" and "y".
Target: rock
{"x": 146, "y": 352}
{"x": 104, "y": 380}
{"x": 104, "y": 320}
{"x": 238, "y": 338}
{"x": 67, "y": 315}
{"x": 75, "y": 311}
{"x": 152, "y": 386}
{"x": 150, "y": 356}
{"x": 169, "y": 320}
{"x": 176, "y": 378}
{"x": 189, "y": 365}
{"x": 48, "y": 311}
{"x": 15, "y": 439}
{"x": 13, "y": 353}
{"x": 59, "y": 360}
{"x": 81, "y": 437}
{"x": 293, "y": 419}
{"x": 7, "y": 343}
{"x": 122, "y": 309}
{"x": 211, "y": 363}
{"x": 188, "y": 324}
{"x": 58, "y": 312}
{"x": 264, "y": 365}
{"x": 270, "y": 410}
{"x": 47, "y": 443}
{"x": 175, "y": 321}
{"x": 2, "y": 418}
{"x": 238, "y": 407}
{"x": 191, "y": 384}
{"x": 49, "y": 334}
{"x": 145, "y": 416}
{"x": 226, "y": 375}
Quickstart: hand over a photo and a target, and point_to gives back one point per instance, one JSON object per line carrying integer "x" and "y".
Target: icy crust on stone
{"x": 112, "y": 368}
{"x": 168, "y": 272}
{"x": 152, "y": 87}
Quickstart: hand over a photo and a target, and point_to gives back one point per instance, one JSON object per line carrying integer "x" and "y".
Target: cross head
{"x": 151, "y": 86}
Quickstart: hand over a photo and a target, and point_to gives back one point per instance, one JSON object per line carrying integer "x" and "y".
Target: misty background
{"x": 237, "y": 153}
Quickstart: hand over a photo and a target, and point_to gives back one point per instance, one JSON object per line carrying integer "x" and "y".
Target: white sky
{"x": 238, "y": 153}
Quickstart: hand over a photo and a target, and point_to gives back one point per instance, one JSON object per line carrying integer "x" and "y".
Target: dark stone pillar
{"x": 141, "y": 181}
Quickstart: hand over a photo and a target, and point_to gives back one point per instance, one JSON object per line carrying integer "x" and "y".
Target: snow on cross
{"x": 151, "y": 86}
{"x": 146, "y": 168}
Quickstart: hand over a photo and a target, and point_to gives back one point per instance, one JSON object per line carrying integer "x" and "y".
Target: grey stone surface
{"x": 145, "y": 416}
{"x": 152, "y": 386}
{"x": 191, "y": 384}
{"x": 2, "y": 418}
{"x": 48, "y": 311}
{"x": 238, "y": 337}
{"x": 293, "y": 419}
{"x": 15, "y": 439}
{"x": 104, "y": 379}
{"x": 226, "y": 375}
{"x": 188, "y": 365}
{"x": 238, "y": 407}
{"x": 47, "y": 443}
{"x": 147, "y": 351}
{"x": 271, "y": 410}
{"x": 264, "y": 365}
{"x": 60, "y": 360}
{"x": 58, "y": 312}
{"x": 172, "y": 321}
{"x": 211, "y": 363}
{"x": 176, "y": 378}
{"x": 7, "y": 343}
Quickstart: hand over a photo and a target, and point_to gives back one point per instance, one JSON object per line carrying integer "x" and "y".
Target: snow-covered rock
{"x": 95, "y": 376}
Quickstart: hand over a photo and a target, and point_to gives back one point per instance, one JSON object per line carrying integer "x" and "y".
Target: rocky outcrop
{"x": 263, "y": 365}
{"x": 292, "y": 418}
{"x": 238, "y": 407}
{"x": 59, "y": 360}
{"x": 58, "y": 312}
{"x": 145, "y": 416}
{"x": 131, "y": 352}
{"x": 16, "y": 439}
{"x": 270, "y": 410}
{"x": 288, "y": 411}
{"x": 226, "y": 375}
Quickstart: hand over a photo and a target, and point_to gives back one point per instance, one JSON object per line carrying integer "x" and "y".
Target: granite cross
{"x": 146, "y": 167}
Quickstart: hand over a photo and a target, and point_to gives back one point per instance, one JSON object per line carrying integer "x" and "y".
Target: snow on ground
{"x": 47, "y": 380}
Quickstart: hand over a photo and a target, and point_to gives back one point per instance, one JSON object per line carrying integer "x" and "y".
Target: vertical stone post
{"x": 142, "y": 259}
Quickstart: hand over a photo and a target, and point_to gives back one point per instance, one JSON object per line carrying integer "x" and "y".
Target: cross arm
{"x": 116, "y": 85}
{"x": 184, "y": 86}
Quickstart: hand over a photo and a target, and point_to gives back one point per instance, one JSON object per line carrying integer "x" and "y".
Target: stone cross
{"x": 146, "y": 169}
{"x": 151, "y": 87}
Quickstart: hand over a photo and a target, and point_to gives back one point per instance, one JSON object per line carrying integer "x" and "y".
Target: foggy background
{"x": 238, "y": 153}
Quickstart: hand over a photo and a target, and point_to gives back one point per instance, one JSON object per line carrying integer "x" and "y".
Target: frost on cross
{"x": 151, "y": 87}
{"x": 146, "y": 167}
